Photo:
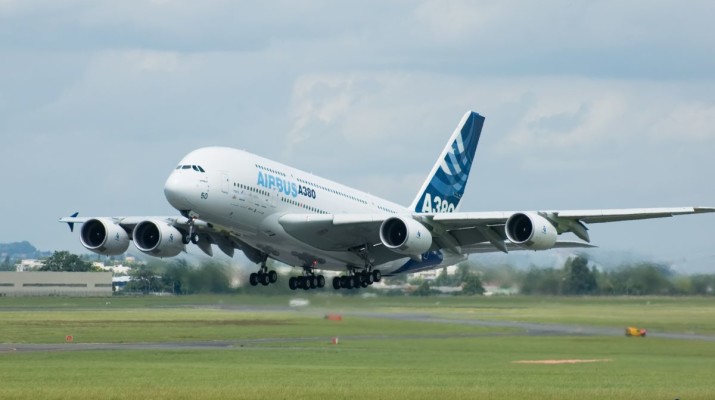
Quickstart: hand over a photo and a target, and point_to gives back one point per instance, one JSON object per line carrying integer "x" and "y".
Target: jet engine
{"x": 531, "y": 231}
{"x": 104, "y": 236}
{"x": 157, "y": 238}
{"x": 405, "y": 236}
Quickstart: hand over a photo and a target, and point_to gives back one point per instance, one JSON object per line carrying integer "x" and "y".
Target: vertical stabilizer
{"x": 445, "y": 185}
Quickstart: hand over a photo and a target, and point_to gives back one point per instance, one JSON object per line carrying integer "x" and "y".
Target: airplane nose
{"x": 177, "y": 190}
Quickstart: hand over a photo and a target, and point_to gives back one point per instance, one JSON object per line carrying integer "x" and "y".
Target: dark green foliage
{"x": 542, "y": 281}
{"x": 579, "y": 279}
{"x": 63, "y": 261}
{"x": 472, "y": 285}
{"x": 643, "y": 279}
{"x": 7, "y": 264}
{"x": 423, "y": 290}
{"x": 178, "y": 277}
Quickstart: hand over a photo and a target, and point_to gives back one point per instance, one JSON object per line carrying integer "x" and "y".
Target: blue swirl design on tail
{"x": 445, "y": 187}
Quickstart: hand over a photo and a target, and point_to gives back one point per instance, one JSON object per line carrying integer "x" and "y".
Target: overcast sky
{"x": 607, "y": 104}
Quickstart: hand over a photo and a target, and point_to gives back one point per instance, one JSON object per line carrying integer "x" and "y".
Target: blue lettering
{"x": 294, "y": 190}
{"x": 261, "y": 179}
{"x": 286, "y": 187}
{"x": 271, "y": 181}
{"x": 279, "y": 182}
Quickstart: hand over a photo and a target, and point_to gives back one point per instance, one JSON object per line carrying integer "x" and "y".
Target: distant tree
{"x": 472, "y": 285}
{"x": 443, "y": 279}
{"x": 144, "y": 280}
{"x": 7, "y": 264}
{"x": 579, "y": 278}
{"x": 643, "y": 279}
{"x": 542, "y": 281}
{"x": 423, "y": 290}
{"x": 63, "y": 261}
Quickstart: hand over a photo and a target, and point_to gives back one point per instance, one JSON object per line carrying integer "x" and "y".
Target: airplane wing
{"x": 467, "y": 232}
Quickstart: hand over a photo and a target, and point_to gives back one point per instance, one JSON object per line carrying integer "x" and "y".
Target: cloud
{"x": 605, "y": 104}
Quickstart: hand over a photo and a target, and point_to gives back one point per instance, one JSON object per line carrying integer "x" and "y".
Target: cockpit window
{"x": 179, "y": 167}
{"x": 195, "y": 168}
{"x": 186, "y": 167}
{"x": 200, "y": 169}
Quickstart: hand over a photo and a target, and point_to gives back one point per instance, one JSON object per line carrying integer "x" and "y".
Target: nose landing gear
{"x": 263, "y": 276}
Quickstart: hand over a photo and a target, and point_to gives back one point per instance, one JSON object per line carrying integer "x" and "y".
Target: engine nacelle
{"x": 405, "y": 236}
{"x": 104, "y": 236}
{"x": 157, "y": 238}
{"x": 531, "y": 231}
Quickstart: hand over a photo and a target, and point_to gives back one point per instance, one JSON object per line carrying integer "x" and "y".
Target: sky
{"x": 588, "y": 105}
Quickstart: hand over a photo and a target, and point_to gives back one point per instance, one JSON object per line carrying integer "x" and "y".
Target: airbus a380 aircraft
{"x": 238, "y": 200}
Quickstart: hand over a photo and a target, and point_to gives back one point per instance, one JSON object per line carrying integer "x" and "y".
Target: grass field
{"x": 375, "y": 358}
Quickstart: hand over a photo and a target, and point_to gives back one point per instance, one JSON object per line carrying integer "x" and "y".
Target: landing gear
{"x": 192, "y": 236}
{"x": 359, "y": 278}
{"x": 356, "y": 279}
{"x": 309, "y": 280}
{"x": 263, "y": 276}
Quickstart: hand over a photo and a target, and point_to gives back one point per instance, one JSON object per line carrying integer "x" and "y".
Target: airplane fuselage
{"x": 245, "y": 195}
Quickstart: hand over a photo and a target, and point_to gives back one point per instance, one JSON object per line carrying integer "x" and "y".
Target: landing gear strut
{"x": 309, "y": 280}
{"x": 263, "y": 276}
{"x": 192, "y": 236}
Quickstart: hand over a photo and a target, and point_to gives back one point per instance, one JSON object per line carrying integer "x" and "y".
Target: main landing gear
{"x": 263, "y": 276}
{"x": 307, "y": 281}
{"x": 357, "y": 279}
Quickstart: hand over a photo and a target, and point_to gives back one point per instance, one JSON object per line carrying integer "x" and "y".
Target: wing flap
{"x": 488, "y": 248}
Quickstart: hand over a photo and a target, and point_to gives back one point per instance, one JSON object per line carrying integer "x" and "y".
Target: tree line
{"x": 577, "y": 276}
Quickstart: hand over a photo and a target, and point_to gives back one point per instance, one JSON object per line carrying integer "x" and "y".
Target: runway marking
{"x": 556, "y": 362}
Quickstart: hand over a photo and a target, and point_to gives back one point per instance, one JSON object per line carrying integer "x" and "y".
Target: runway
{"x": 516, "y": 329}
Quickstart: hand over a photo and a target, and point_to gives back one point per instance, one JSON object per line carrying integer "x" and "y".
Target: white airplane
{"x": 237, "y": 200}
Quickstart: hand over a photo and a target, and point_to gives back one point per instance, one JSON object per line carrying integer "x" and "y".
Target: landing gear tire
{"x": 292, "y": 284}
{"x": 264, "y": 279}
{"x": 336, "y": 283}
{"x": 195, "y": 238}
{"x": 320, "y": 281}
{"x": 376, "y": 275}
{"x": 253, "y": 279}
{"x": 272, "y": 276}
{"x": 185, "y": 239}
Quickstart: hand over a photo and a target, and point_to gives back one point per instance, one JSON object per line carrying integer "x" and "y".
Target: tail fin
{"x": 445, "y": 185}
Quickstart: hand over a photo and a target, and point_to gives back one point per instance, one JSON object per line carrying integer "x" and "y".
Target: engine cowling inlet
{"x": 157, "y": 238}
{"x": 405, "y": 236}
{"x": 104, "y": 236}
{"x": 531, "y": 231}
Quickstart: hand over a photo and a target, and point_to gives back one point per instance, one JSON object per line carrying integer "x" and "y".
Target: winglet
{"x": 71, "y": 224}
{"x": 444, "y": 187}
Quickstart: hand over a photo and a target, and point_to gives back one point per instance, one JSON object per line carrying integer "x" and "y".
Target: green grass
{"x": 395, "y": 369}
{"x": 376, "y": 358}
